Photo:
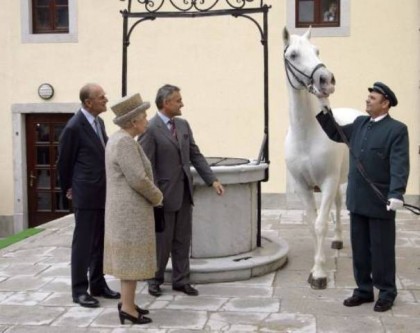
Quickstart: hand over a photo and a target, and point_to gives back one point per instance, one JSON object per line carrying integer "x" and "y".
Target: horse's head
{"x": 303, "y": 67}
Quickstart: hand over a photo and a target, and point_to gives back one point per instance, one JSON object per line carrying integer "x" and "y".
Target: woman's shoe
{"x": 140, "y": 320}
{"x": 138, "y": 309}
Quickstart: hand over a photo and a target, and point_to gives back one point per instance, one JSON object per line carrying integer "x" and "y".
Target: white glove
{"x": 324, "y": 104}
{"x": 394, "y": 204}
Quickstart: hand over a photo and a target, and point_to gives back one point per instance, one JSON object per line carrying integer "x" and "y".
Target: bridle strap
{"x": 320, "y": 65}
{"x": 294, "y": 71}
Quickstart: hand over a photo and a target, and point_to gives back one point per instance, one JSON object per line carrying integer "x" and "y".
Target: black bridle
{"x": 294, "y": 71}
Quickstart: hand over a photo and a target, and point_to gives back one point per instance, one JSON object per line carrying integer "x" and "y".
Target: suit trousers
{"x": 175, "y": 240}
{"x": 373, "y": 246}
{"x": 87, "y": 253}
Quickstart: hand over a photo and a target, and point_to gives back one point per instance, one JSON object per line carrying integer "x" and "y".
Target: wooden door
{"x": 45, "y": 201}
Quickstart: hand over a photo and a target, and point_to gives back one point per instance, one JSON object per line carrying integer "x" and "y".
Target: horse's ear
{"x": 307, "y": 34}
{"x": 286, "y": 36}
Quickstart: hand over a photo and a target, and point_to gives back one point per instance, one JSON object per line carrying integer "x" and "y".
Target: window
{"x": 64, "y": 14}
{"x": 50, "y": 16}
{"x": 317, "y": 13}
{"x": 311, "y": 13}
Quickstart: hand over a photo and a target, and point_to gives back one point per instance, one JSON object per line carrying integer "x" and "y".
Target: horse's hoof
{"x": 320, "y": 283}
{"x": 310, "y": 278}
{"x": 337, "y": 245}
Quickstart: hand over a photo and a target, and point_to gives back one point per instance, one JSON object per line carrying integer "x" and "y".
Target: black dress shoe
{"x": 383, "y": 305}
{"x": 356, "y": 300}
{"x": 106, "y": 292}
{"x": 140, "y": 320}
{"x": 86, "y": 300}
{"x": 154, "y": 290}
{"x": 187, "y": 289}
{"x": 138, "y": 309}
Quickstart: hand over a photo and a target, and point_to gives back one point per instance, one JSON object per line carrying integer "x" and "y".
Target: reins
{"x": 359, "y": 165}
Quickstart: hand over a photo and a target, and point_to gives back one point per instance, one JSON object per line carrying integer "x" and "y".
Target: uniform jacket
{"x": 383, "y": 149}
{"x": 130, "y": 246}
{"x": 171, "y": 160}
{"x": 81, "y": 163}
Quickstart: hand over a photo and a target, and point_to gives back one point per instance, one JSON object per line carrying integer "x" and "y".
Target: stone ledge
{"x": 268, "y": 258}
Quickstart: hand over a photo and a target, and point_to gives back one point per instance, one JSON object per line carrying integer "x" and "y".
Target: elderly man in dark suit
{"x": 380, "y": 144}
{"x": 81, "y": 168}
{"x": 171, "y": 148}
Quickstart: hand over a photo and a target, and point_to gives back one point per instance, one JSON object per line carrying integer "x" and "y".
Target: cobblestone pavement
{"x": 35, "y": 290}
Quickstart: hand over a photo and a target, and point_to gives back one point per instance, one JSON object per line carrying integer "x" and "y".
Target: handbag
{"x": 159, "y": 219}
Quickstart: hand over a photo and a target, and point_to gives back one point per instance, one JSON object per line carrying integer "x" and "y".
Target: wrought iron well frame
{"x": 199, "y": 8}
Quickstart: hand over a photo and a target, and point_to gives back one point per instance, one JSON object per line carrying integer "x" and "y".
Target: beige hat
{"x": 128, "y": 108}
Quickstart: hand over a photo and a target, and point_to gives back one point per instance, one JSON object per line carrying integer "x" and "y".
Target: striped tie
{"x": 172, "y": 128}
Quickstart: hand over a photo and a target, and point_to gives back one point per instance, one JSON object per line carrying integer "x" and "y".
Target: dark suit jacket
{"x": 171, "y": 160}
{"x": 81, "y": 163}
{"x": 383, "y": 149}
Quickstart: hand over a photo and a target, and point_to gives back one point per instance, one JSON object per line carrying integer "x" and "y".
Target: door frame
{"x": 20, "y": 181}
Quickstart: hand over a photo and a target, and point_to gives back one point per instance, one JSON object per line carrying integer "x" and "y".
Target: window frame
{"x": 53, "y": 8}
{"x": 27, "y": 35}
{"x": 318, "y": 16}
{"x": 343, "y": 30}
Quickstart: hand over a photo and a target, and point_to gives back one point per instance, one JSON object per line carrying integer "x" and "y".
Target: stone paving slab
{"x": 349, "y": 324}
{"x": 35, "y": 292}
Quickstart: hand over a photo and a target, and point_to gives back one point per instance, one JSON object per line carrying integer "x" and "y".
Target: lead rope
{"x": 359, "y": 165}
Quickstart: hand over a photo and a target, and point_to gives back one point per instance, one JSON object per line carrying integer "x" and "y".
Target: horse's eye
{"x": 293, "y": 55}
{"x": 317, "y": 52}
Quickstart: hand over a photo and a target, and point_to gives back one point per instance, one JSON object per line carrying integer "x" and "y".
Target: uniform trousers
{"x": 373, "y": 246}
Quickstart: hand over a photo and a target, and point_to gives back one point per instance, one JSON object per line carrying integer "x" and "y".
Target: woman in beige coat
{"x": 130, "y": 249}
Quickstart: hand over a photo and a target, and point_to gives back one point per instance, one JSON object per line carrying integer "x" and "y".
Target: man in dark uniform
{"x": 380, "y": 144}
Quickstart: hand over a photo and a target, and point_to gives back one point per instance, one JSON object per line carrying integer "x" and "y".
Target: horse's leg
{"x": 306, "y": 195}
{"x": 319, "y": 275}
{"x": 308, "y": 199}
{"x": 337, "y": 242}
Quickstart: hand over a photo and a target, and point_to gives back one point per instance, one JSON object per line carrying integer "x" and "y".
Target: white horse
{"x": 313, "y": 160}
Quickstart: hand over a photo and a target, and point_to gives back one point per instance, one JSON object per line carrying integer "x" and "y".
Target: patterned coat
{"x": 130, "y": 245}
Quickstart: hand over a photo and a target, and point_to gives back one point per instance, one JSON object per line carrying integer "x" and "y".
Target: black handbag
{"x": 159, "y": 219}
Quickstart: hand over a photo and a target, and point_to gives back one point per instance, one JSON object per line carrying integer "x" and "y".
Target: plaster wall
{"x": 218, "y": 63}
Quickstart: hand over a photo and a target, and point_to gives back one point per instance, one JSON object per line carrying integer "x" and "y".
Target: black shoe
{"x": 154, "y": 290}
{"x": 138, "y": 309}
{"x": 106, "y": 292}
{"x": 356, "y": 301}
{"x": 383, "y": 305}
{"x": 140, "y": 320}
{"x": 187, "y": 289}
{"x": 86, "y": 300}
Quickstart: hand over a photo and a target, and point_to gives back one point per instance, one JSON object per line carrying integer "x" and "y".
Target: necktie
{"x": 99, "y": 131}
{"x": 172, "y": 128}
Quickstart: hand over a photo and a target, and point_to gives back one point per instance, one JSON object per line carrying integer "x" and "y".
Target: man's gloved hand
{"x": 324, "y": 104}
{"x": 394, "y": 204}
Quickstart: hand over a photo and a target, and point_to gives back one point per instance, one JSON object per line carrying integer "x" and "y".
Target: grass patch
{"x": 18, "y": 237}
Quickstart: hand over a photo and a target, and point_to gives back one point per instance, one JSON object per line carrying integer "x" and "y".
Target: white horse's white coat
{"x": 311, "y": 157}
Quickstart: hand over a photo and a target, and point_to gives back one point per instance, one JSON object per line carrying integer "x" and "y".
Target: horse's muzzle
{"x": 323, "y": 82}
